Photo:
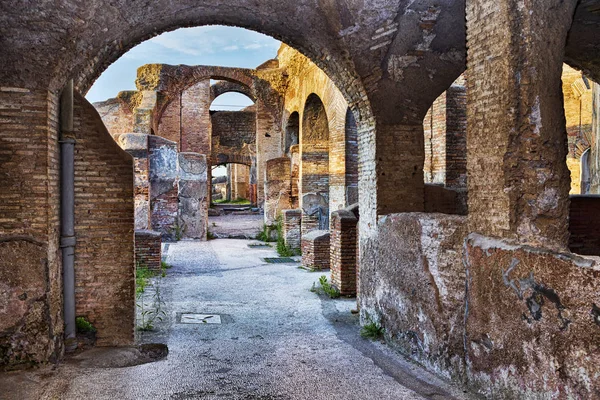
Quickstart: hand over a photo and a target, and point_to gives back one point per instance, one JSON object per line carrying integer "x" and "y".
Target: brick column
{"x": 516, "y": 138}
{"x": 343, "y": 251}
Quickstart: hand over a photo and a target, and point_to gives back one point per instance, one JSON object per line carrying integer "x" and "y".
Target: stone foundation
{"x": 148, "y": 249}
{"x": 315, "y": 250}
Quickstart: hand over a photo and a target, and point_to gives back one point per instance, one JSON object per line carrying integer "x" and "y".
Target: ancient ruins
{"x": 441, "y": 159}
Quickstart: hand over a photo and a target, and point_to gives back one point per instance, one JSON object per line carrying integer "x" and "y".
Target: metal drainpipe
{"x": 67, "y": 213}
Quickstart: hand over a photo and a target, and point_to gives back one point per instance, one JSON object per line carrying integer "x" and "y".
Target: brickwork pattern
{"x": 104, "y": 227}
{"x": 148, "y": 250}
{"x": 343, "y": 251}
{"x": 31, "y": 323}
{"x": 315, "y": 250}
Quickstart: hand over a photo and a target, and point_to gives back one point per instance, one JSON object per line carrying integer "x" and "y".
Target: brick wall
{"x": 31, "y": 323}
{"x": 116, "y": 115}
{"x": 169, "y": 124}
{"x": 445, "y": 129}
{"x": 233, "y": 134}
{"x": 343, "y": 241}
{"x": 148, "y": 249}
{"x": 195, "y": 118}
{"x": 351, "y": 159}
{"x": 315, "y": 250}
{"x": 104, "y": 226}
{"x": 291, "y": 228}
{"x": 584, "y": 225}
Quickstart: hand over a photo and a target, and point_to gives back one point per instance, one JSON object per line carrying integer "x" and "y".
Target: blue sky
{"x": 206, "y": 45}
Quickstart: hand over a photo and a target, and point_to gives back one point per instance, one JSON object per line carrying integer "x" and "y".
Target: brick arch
{"x": 225, "y": 86}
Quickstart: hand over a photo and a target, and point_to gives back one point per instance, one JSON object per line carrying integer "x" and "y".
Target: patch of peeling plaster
{"x": 397, "y": 64}
{"x": 535, "y": 118}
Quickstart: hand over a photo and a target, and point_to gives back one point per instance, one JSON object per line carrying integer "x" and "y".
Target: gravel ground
{"x": 276, "y": 340}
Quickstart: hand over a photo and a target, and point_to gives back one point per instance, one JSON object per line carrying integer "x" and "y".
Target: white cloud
{"x": 253, "y": 46}
{"x": 231, "y": 48}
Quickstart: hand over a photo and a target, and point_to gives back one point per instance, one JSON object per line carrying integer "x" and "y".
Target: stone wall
{"x": 533, "y": 321}
{"x": 415, "y": 287}
{"x": 104, "y": 227}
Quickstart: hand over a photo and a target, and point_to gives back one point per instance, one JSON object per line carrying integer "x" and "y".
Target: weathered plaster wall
{"x": 104, "y": 227}
{"x": 415, "y": 287}
{"x": 533, "y": 324}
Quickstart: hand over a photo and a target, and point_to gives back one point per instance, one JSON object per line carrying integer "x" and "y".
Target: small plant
{"x": 265, "y": 234}
{"x": 372, "y": 331}
{"x": 142, "y": 276}
{"x": 152, "y": 313}
{"x": 329, "y": 289}
{"x": 210, "y": 235}
{"x": 177, "y": 230}
{"x": 282, "y": 249}
{"x": 164, "y": 265}
{"x": 84, "y": 326}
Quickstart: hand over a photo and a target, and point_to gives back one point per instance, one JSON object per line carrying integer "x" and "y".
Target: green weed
{"x": 372, "y": 331}
{"x": 84, "y": 326}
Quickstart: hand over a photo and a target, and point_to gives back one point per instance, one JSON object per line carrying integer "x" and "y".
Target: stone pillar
{"x": 400, "y": 157}
{"x": 164, "y": 205}
{"x": 343, "y": 251}
{"x": 291, "y": 228}
{"x": 516, "y": 137}
{"x": 595, "y": 145}
{"x": 192, "y": 194}
{"x": 277, "y": 188}
{"x": 143, "y": 113}
{"x": 136, "y": 144}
